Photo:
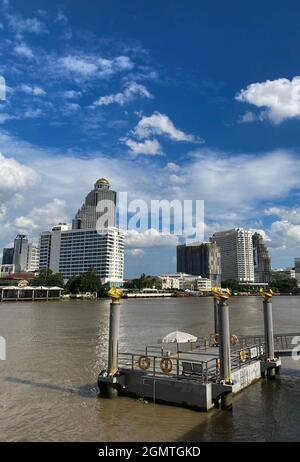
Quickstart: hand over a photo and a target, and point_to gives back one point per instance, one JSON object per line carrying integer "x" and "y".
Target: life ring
{"x": 234, "y": 339}
{"x": 243, "y": 356}
{"x": 144, "y": 362}
{"x": 166, "y": 365}
{"x": 216, "y": 338}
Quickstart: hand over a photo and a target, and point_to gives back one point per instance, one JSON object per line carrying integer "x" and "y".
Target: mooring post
{"x": 269, "y": 332}
{"x": 107, "y": 380}
{"x": 224, "y": 342}
{"x": 114, "y": 326}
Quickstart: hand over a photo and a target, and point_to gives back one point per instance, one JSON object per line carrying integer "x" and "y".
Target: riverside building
{"x": 236, "y": 249}
{"x": 82, "y": 248}
{"x": 200, "y": 259}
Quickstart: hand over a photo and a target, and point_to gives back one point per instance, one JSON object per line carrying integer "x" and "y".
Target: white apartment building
{"x": 184, "y": 281}
{"x": 33, "y": 257}
{"x": 75, "y": 251}
{"x": 236, "y": 254}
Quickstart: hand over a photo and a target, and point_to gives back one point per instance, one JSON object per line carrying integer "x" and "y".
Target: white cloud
{"x": 25, "y": 25}
{"x": 135, "y": 252}
{"x": 147, "y": 147}
{"x": 87, "y": 66}
{"x": 285, "y": 213}
{"x": 280, "y": 97}
{"x": 161, "y": 124}
{"x": 149, "y": 238}
{"x": 4, "y": 117}
{"x": 248, "y": 117}
{"x": 23, "y": 50}
{"x": 32, "y": 113}
{"x": 32, "y": 90}
{"x": 61, "y": 18}
{"x": 72, "y": 94}
{"x": 78, "y": 65}
{"x": 131, "y": 92}
{"x": 14, "y": 177}
{"x": 41, "y": 218}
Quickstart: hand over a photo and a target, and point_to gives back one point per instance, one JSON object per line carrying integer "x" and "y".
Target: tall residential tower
{"x": 236, "y": 254}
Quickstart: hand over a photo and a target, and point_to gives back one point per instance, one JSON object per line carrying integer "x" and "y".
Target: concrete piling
{"x": 114, "y": 325}
{"x": 268, "y": 328}
{"x": 271, "y": 366}
{"x": 107, "y": 382}
{"x": 224, "y": 342}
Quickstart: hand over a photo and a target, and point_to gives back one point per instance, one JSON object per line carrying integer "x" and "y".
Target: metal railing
{"x": 202, "y": 371}
{"x": 282, "y": 342}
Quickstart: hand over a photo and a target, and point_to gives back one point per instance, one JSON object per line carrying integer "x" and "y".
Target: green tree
{"x": 143, "y": 282}
{"x": 86, "y": 282}
{"x": 231, "y": 284}
{"x": 285, "y": 286}
{"x": 73, "y": 285}
{"x": 47, "y": 278}
{"x": 90, "y": 282}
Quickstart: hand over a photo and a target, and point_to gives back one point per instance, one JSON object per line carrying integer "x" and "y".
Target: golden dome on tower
{"x": 102, "y": 181}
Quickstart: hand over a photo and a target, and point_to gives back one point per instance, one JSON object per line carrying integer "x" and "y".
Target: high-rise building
{"x": 8, "y": 255}
{"x": 261, "y": 259}
{"x": 82, "y": 248}
{"x": 201, "y": 259}
{"x": 236, "y": 254}
{"x": 88, "y": 215}
{"x": 297, "y": 270}
{"x": 75, "y": 251}
{"x": 20, "y": 253}
{"x": 33, "y": 256}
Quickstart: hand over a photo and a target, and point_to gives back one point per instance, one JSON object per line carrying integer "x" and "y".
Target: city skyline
{"x": 110, "y": 108}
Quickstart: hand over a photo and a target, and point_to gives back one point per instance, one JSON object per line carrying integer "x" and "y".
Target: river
{"x": 56, "y": 349}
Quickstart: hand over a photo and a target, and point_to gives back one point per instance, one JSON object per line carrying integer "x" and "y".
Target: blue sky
{"x": 168, "y": 100}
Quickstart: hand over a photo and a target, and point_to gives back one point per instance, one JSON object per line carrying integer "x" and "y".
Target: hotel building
{"x": 82, "y": 248}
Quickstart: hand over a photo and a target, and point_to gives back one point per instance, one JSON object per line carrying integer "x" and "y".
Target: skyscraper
{"x": 8, "y": 255}
{"x": 236, "y": 254}
{"x": 261, "y": 259}
{"x": 20, "y": 253}
{"x": 88, "y": 215}
{"x": 201, "y": 259}
{"x": 82, "y": 248}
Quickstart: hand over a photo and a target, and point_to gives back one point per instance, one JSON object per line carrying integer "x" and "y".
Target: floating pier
{"x": 198, "y": 375}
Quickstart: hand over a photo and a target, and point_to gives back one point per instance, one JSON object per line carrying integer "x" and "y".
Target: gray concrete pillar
{"x": 268, "y": 328}
{"x": 224, "y": 342}
{"x": 114, "y": 325}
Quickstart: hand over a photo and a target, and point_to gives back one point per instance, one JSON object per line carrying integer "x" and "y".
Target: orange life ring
{"x": 166, "y": 365}
{"x": 144, "y": 362}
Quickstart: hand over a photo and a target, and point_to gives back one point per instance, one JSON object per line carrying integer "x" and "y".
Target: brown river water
{"x": 56, "y": 349}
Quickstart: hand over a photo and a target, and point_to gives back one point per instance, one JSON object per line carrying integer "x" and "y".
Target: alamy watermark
{"x": 177, "y": 217}
{"x": 296, "y": 350}
{"x": 2, "y": 88}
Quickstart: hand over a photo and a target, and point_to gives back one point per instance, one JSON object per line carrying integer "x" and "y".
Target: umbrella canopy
{"x": 179, "y": 337}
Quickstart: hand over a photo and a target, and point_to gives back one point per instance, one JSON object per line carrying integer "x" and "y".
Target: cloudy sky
{"x": 166, "y": 101}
